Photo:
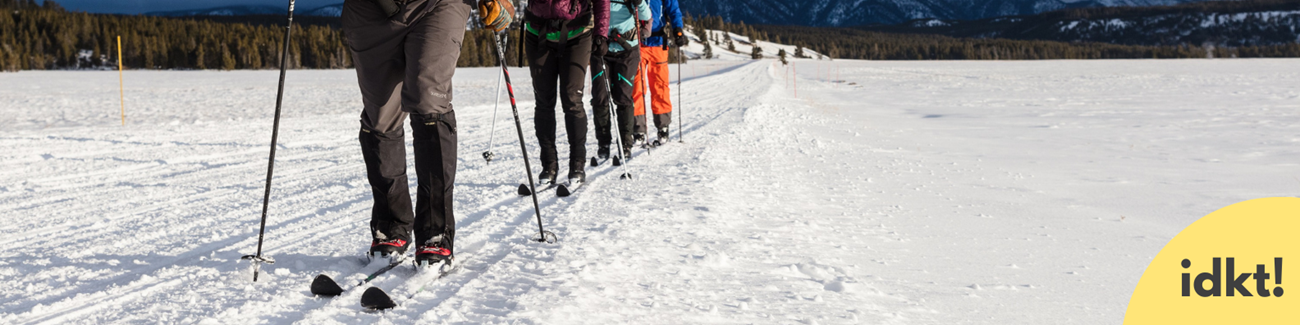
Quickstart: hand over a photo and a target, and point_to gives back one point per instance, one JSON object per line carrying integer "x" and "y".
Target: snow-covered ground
{"x": 885, "y": 192}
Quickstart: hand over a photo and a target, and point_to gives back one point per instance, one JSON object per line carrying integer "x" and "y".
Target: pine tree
{"x": 781, "y": 54}
{"x": 757, "y": 54}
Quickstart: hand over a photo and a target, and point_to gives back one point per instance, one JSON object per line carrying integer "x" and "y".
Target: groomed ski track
{"x": 179, "y": 204}
{"x": 905, "y": 192}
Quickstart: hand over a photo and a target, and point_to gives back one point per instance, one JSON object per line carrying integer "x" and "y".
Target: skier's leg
{"x": 543, "y": 65}
{"x": 573, "y": 74}
{"x": 385, "y": 157}
{"x": 660, "y": 96}
{"x": 600, "y": 100}
{"x": 435, "y": 169}
{"x": 377, "y": 54}
{"x": 639, "y": 93}
{"x": 622, "y": 71}
{"x": 432, "y": 48}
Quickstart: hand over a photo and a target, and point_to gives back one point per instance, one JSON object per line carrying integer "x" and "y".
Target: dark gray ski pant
{"x": 616, "y": 70}
{"x": 405, "y": 65}
{"x": 559, "y": 67}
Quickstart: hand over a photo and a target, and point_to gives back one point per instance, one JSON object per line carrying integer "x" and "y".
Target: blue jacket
{"x": 661, "y": 18}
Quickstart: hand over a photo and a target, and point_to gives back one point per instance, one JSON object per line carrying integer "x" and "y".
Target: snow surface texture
{"x": 886, "y": 192}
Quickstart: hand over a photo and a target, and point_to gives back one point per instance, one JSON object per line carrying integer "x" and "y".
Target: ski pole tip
{"x": 546, "y": 237}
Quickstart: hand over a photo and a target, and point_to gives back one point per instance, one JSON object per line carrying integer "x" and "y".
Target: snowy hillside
{"x": 1233, "y": 29}
{"x": 695, "y": 51}
{"x": 334, "y": 10}
{"x": 1246, "y": 23}
{"x": 1026, "y": 192}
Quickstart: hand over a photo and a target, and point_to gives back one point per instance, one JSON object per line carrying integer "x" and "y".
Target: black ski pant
{"x": 405, "y": 65}
{"x": 612, "y": 76}
{"x": 563, "y": 65}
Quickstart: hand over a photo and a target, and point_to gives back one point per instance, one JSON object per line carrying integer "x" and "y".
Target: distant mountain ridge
{"x": 845, "y": 13}
{"x": 1223, "y": 23}
{"x": 333, "y": 10}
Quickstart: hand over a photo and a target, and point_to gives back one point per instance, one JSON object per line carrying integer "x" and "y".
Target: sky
{"x": 142, "y": 6}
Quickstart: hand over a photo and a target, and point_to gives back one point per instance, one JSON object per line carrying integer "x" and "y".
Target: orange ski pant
{"x": 654, "y": 67}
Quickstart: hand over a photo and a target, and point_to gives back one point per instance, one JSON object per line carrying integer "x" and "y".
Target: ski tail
{"x": 323, "y": 285}
{"x": 376, "y": 299}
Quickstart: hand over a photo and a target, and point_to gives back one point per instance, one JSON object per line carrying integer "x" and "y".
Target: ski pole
{"x": 488, "y": 155}
{"x": 620, "y": 160}
{"x": 543, "y": 235}
{"x": 680, "y": 104}
{"x": 257, "y": 259}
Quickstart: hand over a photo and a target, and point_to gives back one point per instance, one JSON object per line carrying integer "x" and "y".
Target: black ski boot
{"x": 663, "y": 137}
{"x": 639, "y": 138}
{"x": 391, "y": 249}
{"x": 435, "y": 250}
{"x": 577, "y": 177}
{"x": 602, "y": 152}
{"x": 547, "y": 177}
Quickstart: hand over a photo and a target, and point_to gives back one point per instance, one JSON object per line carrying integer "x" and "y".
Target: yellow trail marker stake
{"x": 121, "y": 88}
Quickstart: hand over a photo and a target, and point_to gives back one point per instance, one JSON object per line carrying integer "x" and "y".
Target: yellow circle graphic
{"x": 1226, "y": 268}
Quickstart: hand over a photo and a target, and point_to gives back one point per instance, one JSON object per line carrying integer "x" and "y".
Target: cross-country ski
{"x": 375, "y": 298}
{"x": 324, "y": 285}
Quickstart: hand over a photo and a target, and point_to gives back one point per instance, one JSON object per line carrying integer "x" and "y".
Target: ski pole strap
{"x": 259, "y": 259}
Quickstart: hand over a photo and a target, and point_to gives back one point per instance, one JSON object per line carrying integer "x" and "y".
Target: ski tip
{"x": 323, "y": 285}
{"x": 618, "y": 162}
{"x": 563, "y": 191}
{"x": 376, "y": 299}
{"x": 594, "y": 162}
{"x": 524, "y": 191}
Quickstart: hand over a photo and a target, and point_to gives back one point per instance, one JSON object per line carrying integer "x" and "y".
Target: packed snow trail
{"x": 899, "y": 192}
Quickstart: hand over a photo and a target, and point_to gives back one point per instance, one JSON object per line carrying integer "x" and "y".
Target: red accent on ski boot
{"x": 388, "y": 247}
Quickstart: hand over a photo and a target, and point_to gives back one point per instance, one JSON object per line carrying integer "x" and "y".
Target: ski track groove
{"x": 646, "y": 160}
{"x": 489, "y": 247}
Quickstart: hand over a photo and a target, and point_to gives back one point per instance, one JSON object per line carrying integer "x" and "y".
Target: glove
{"x": 496, "y": 15}
{"x": 680, "y": 39}
{"x": 645, "y": 29}
{"x": 599, "y": 46}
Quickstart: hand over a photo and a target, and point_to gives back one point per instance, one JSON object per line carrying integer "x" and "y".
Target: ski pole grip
{"x": 258, "y": 259}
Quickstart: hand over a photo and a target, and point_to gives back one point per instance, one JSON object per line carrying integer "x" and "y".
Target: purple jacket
{"x": 559, "y": 9}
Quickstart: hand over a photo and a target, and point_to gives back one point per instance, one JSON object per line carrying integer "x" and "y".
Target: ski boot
{"x": 602, "y": 152}
{"x": 434, "y": 251}
{"x": 547, "y": 177}
{"x": 663, "y": 137}
{"x": 576, "y": 178}
{"x": 639, "y": 138}
{"x": 392, "y": 249}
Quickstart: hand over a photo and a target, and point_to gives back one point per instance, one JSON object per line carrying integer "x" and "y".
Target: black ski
{"x": 565, "y": 190}
{"x": 376, "y": 299}
{"x": 596, "y": 162}
{"x": 323, "y": 285}
{"x": 523, "y": 189}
